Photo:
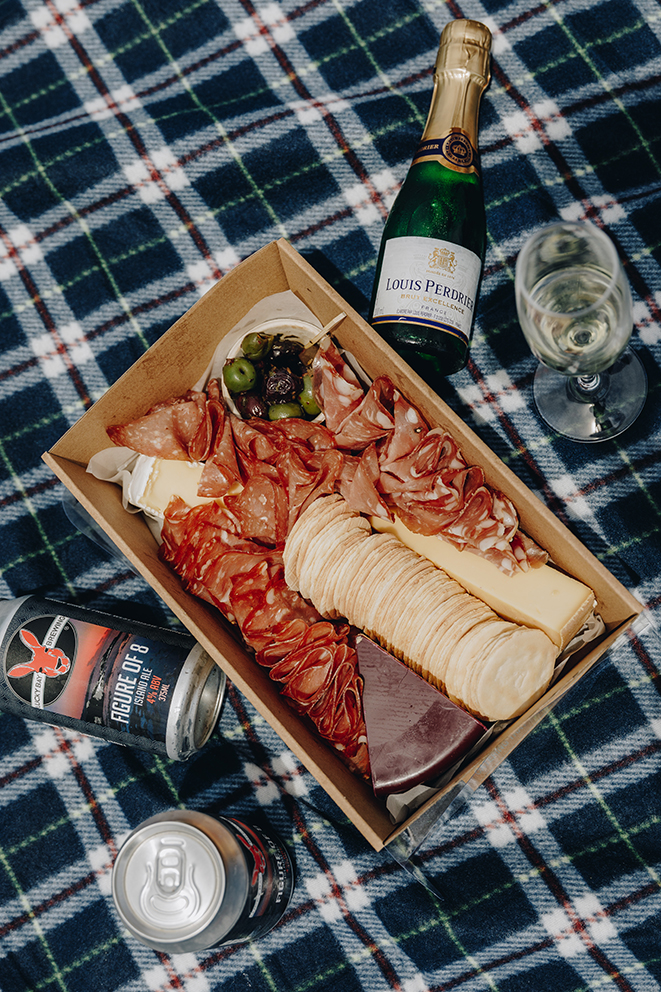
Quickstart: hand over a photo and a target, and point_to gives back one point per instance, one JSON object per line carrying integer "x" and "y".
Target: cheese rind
{"x": 542, "y": 597}
{"x": 156, "y": 480}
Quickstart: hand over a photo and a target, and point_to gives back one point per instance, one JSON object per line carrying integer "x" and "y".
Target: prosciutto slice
{"x": 336, "y": 386}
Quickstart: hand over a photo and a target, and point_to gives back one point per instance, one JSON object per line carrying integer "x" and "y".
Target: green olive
{"x": 306, "y": 398}
{"x": 278, "y": 411}
{"x": 256, "y": 345}
{"x": 239, "y": 375}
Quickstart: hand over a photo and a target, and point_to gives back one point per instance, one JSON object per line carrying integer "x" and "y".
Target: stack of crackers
{"x": 491, "y": 667}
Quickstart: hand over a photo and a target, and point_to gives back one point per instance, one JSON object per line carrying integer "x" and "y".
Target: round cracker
{"x": 326, "y": 601}
{"x": 323, "y": 550}
{"x": 515, "y": 672}
{"x": 312, "y": 520}
{"x": 364, "y": 577}
{"x": 426, "y": 596}
{"x": 457, "y": 615}
{"x": 468, "y": 656}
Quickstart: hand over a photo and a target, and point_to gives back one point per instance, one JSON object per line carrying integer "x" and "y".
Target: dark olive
{"x": 286, "y": 350}
{"x": 256, "y": 345}
{"x": 239, "y": 375}
{"x": 278, "y": 411}
{"x": 251, "y": 405}
{"x": 280, "y": 387}
{"x": 306, "y": 398}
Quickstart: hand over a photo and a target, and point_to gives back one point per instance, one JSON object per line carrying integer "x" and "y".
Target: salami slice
{"x": 261, "y": 510}
{"x": 167, "y": 430}
{"x": 221, "y": 470}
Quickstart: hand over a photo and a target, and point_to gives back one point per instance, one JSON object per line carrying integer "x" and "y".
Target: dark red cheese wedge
{"x": 414, "y": 732}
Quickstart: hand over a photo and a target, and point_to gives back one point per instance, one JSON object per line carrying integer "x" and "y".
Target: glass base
{"x": 613, "y": 402}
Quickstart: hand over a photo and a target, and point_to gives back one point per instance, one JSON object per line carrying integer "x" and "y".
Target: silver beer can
{"x": 185, "y": 881}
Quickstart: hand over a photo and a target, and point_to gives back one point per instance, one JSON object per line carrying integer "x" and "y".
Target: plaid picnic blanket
{"x": 145, "y": 149}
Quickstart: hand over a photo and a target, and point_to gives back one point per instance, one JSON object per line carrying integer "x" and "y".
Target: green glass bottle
{"x": 430, "y": 261}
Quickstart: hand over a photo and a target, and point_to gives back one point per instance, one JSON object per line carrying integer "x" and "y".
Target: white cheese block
{"x": 154, "y": 481}
{"x": 541, "y": 597}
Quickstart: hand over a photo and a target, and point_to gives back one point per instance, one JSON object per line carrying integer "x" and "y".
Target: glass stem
{"x": 588, "y": 388}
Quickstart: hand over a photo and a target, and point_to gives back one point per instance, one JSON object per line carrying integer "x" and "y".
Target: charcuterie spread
{"x": 282, "y": 527}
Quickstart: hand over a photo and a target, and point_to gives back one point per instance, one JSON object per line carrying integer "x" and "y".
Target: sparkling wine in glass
{"x": 574, "y": 307}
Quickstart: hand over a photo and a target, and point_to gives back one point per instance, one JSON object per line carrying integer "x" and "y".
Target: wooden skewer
{"x": 330, "y": 326}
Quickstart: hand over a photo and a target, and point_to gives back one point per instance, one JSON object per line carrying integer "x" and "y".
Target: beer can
{"x": 185, "y": 881}
{"x": 125, "y": 681}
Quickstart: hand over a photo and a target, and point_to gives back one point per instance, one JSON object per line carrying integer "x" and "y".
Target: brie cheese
{"x": 154, "y": 481}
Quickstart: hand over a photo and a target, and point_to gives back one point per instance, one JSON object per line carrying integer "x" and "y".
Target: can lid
{"x": 168, "y": 882}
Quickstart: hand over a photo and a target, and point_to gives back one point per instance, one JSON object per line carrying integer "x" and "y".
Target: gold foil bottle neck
{"x": 465, "y": 45}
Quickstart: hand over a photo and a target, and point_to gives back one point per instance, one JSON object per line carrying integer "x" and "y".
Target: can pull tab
{"x": 170, "y": 893}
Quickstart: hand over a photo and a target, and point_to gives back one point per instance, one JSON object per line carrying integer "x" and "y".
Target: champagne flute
{"x": 574, "y": 307}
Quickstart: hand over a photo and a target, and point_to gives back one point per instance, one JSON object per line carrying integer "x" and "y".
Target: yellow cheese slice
{"x": 541, "y": 597}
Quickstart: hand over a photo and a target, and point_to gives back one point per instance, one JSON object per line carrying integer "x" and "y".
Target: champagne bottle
{"x": 432, "y": 250}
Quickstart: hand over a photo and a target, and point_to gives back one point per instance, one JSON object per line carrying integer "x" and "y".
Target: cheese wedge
{"x": 155, "y": 480}
{"x": 541, "y": 597}
{"x": 414, "y": 732}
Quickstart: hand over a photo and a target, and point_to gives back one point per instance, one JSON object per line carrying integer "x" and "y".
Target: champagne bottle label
{"x": 92, "y": 673}
{"x": 454, "y": 150}
{"x": 430, "y": 282}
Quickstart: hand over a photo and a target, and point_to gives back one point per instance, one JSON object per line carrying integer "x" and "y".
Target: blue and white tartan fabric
{"x": 146, "y": 147}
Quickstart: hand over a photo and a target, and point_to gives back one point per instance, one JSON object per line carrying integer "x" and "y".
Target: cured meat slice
{"x": 262, "y": 603}
{"x": 359, "y": 487}
{"x": 314, "y": 436}
{"x": 321, "y": 680}
{"x": 254, "y": 439}
{"x": 336, "y": 386}
{"x": 409, "y": 429}
{"x": 526, "y": 551}
{"x": 308, "y": 474}
{"x": 168, "y": 430}
{"x": 436, "y": 453}
{"x": 371, "y": 420}
{"x": 202, "y": 546}
{"x": 221, "y": 469}
{"x": 261, "y": 510}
